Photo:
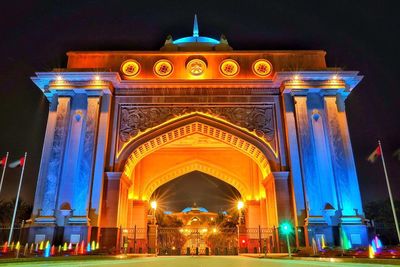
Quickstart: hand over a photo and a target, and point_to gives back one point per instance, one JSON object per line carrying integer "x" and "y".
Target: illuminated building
{"x": 270, "y": 123}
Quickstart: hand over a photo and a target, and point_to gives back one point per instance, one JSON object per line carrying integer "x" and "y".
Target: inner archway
{"x": 196, "y": 187}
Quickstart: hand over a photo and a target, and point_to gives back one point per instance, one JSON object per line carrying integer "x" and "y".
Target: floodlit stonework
{"x": 270, "y": 123}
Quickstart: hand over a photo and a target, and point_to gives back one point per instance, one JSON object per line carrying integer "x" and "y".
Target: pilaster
{"x": 342, "y": 158}
{"x": 83, "y": 179}
{"x": 51, "y": 164}
{"x": 100, "y": 157}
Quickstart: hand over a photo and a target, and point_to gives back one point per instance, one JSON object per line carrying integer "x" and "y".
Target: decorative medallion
{"x": 163, "y": 68}
{"x": 262, "y": 67}
{"x": 130, "y": 67}
{"x": 196, "y": 67}
{"x": 229, "y": 67}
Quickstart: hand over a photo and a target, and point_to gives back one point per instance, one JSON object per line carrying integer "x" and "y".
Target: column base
{"x": 355, "y": 230}
{"x": 38, "y": 233}
{"x": 109, "y": 238}
{"x": 76, "y": 233}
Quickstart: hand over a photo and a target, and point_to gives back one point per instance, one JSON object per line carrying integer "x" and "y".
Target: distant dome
{"x": 196, "y": 42}
{"x": 194, "y": 208}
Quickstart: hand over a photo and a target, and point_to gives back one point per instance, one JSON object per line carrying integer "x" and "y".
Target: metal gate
{"x": 197, "y": 241}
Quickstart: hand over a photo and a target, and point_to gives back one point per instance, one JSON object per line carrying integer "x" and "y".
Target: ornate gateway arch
{"x": 270, "y": 123}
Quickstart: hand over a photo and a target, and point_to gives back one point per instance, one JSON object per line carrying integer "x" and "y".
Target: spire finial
{"x": 195, "y": 27}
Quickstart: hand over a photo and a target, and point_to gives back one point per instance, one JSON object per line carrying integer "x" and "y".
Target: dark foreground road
{"x": 183, "y": 261}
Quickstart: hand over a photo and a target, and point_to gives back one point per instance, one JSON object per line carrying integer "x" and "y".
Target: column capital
{"x": 70, "y": 83}
{"x": 322, "y": 82}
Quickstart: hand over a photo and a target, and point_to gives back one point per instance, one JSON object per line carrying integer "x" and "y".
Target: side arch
{"x": 196, "y": 123}
{"x": 196, "y": 165}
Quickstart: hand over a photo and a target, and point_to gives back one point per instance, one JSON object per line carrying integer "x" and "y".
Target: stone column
{"x": 99, "y": 163}
{"x": 283, "y": 196}
{"x": 82, "y": 181}
{"x": 73, "y": 151}
{"x": 115, "y": 206}
{"x": 308, "y": 161}
{"x": 342, "y": 158}
{"x": 270, "y": 196}
{"x": 295, "y": 166}
{"x": 52, "y": 159}
{"x": 44, "y": 220}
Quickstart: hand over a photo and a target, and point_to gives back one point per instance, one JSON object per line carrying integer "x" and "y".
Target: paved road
{"x": 183, "y": 261}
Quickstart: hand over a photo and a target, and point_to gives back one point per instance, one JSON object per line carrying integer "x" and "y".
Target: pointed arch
{"x": 195, "y": 123}
{"x": 196, "y": 165}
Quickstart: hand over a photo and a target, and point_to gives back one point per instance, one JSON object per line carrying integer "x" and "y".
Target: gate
{"x": 134, "y": 240}
{"x": 197, "y": 241}
{"x": 258, "y": 240}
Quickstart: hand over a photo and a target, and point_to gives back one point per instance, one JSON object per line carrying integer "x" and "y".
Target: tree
{"x": 380, "y": 212}
{"x": 24, "y": 212}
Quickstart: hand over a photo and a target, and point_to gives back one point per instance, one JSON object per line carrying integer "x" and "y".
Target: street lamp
{"x": 153, "y": 205}
{"x": 286, "y": 228}
{"x": 240, "y": 206}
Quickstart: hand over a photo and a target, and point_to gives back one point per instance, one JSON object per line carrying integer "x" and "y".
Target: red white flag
{"x": 374, "y": 155}
{"x": 17, "y": 163}
{"x": 3, "y": 161}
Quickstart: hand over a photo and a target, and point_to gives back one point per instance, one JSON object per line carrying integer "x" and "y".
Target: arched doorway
{"x": 196, "y": 215}
{"x": 196, "y": 142}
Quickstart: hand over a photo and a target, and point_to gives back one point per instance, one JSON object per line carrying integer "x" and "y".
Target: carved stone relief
{"x": 136, "y": 119}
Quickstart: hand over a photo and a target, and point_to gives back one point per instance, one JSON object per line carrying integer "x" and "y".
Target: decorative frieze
{"x": 257, "y": 119}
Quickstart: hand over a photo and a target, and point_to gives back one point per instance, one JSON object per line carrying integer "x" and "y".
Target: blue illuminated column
{"x": 294, "y": 156}
{"x": 99, "y": 161}
{"x": 345, "y": 171}
{"x": 52, "y": 158}
{"x": 74, "y": 153}
{"x": 325, "y": 185}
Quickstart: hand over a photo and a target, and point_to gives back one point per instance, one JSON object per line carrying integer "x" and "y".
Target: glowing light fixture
{"x": 286, "y": 228}
{"x": 296, "y": 77}
{"x": 262, "y": 67}
{"x": 59, "y": 78}
{"x": 240, "y": 205}
{"x": 196, "y": 67}
{"x": 229, "y": 67}
{"x": 163, "y": 68}
{"x": 97, "y": 77}
{"x": 130, "y": 67}
{"x": 153, "y": 204}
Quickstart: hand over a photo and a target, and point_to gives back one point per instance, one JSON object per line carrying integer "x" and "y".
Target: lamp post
{"x": 153, "y": 205}
{"x": 240, "y": 206}
{"x": 286, "y": 229}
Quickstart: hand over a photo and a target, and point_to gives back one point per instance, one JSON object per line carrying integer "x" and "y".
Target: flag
{"x": 3, "y": 161}
{"x": 397, "y": 154}
{"x": 374, "y": 155}
{"x": 17, "y": 163}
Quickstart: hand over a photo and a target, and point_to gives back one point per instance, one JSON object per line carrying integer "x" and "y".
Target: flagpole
{"x": 16, "y": 201}
{"x": 4, "y": 171}
{"x": 390, "y": 192}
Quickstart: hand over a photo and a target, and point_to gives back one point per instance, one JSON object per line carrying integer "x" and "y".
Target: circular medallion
{"x": 229, "y": 67}
{"x": 130, "y": 67}
{"x": 196, "y": 67}
{"x": 262, "y": 67}
{"x": 163, "y": 68}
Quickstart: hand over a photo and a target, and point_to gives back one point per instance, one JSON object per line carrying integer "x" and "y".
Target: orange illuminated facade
{"x": 270, "y": 123}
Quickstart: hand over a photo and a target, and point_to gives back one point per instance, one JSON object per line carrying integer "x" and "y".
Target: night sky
{"x": 357, "y": 35}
